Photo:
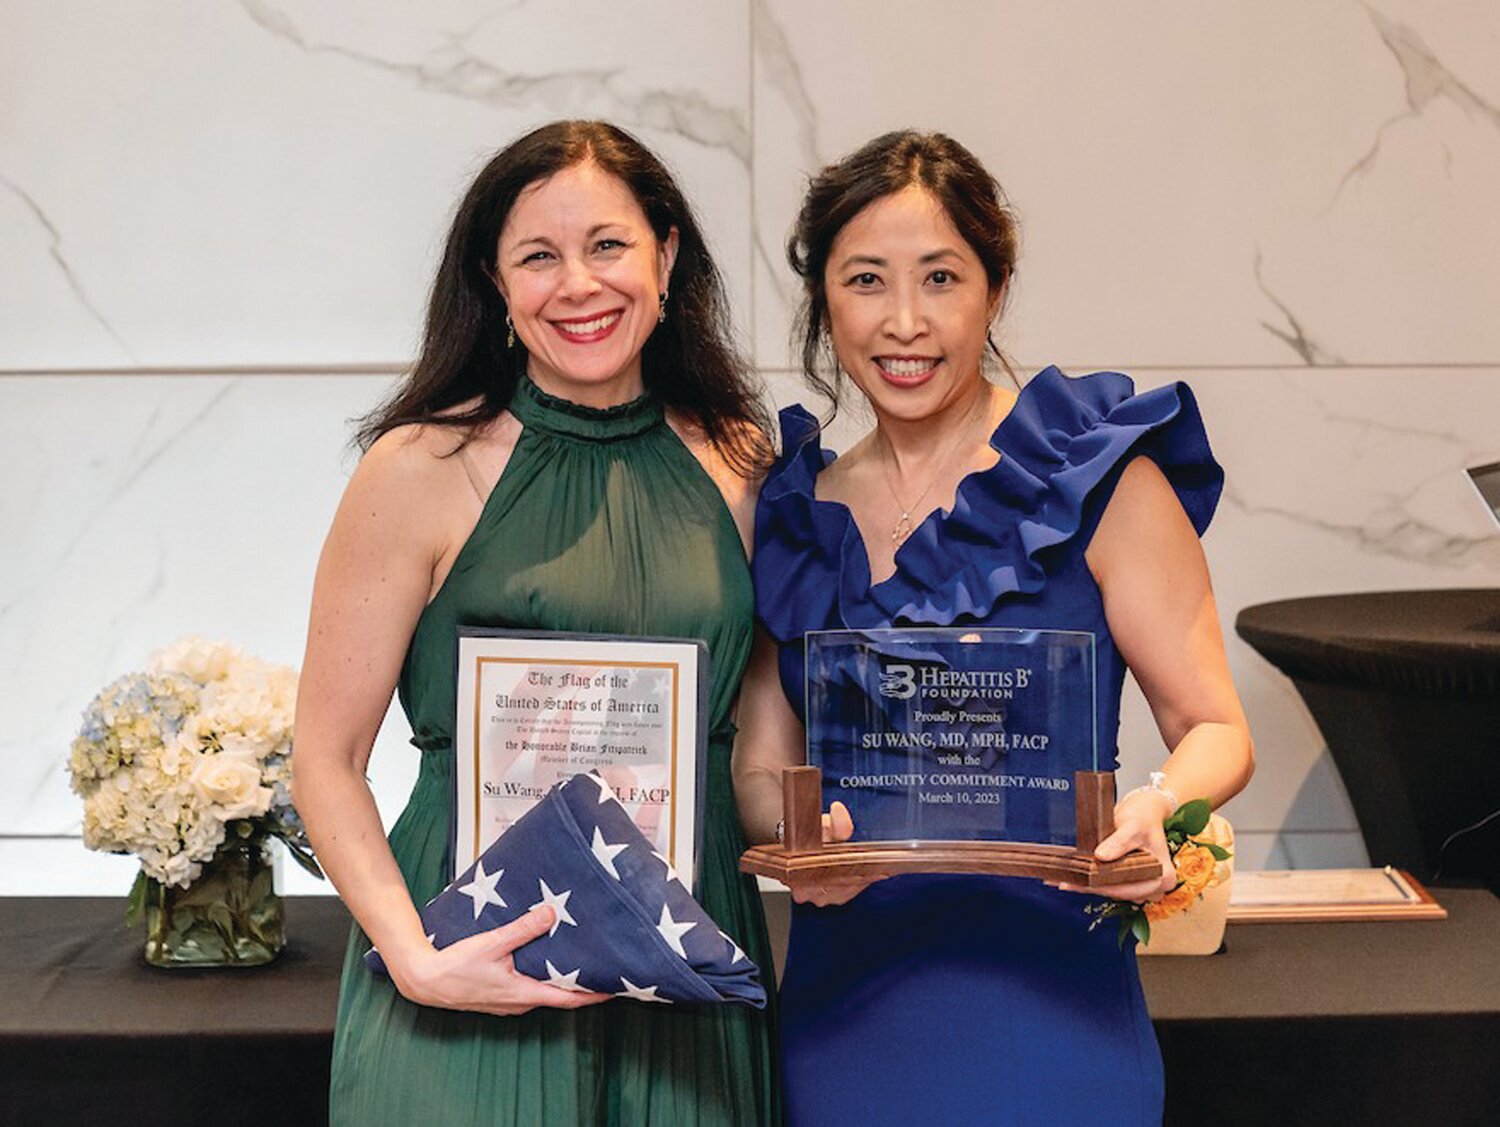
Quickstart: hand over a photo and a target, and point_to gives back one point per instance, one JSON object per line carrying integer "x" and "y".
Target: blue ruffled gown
{"x": 961, "y": 999}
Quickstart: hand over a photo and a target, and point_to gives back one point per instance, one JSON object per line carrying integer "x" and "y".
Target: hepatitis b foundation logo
{"x": 899, "y": 682}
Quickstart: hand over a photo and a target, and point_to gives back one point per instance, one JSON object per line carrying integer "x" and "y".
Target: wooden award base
{"x": 803, "y": 858}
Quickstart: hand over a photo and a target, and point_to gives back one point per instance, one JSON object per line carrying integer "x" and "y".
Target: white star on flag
{"x": 559, "y": 848}
{"x": 562, "y": 981}
{"x": 671, "y": 872}
{"x": 639, "y": 993}
{"x": 736, "y": 955}
{"x": 606, "y": 853}
{"x": 481, "y": 889}
{"x": 606, "y": 794}
{"x": 673, "y": 931}
{"x": 558, "y": 902}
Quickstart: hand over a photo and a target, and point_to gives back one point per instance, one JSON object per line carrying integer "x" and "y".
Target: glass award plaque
{"x": 956, "y": 735}
{"x": 962, "y": 749}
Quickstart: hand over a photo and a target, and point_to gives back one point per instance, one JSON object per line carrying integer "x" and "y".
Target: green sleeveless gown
{"x": 602, "y": 521}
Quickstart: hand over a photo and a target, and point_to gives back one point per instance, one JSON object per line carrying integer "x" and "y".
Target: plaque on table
{"x": 955, "y": 749}
{"x": 1486, "y": 482}
{"x": 535, "y": 709}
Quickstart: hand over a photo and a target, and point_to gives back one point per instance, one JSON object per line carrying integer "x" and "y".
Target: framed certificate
{"x": 535, "y": 708}
{"x": 1318, "y": 895}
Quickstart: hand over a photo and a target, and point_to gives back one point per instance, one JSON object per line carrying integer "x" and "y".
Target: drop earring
{"x": 661, "y": 313}
{"x": 510, "y": 333}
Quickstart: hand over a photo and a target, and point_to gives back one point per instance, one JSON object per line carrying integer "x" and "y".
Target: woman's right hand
{"x": 837, "y": 826}
{"x": 479, "y": 973}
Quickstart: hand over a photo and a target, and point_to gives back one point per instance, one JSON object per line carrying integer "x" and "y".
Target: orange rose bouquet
{"x": 1199, "y": 865}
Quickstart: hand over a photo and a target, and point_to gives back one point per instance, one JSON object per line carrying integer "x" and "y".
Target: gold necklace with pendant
{"x": 904, "y": 524}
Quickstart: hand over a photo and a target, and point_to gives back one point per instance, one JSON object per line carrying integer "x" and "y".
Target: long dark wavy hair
{"x": 972, "y": 198}
{"x": 689, "y": 362}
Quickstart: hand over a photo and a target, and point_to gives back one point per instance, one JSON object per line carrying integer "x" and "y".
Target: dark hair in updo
{"x": 935, "y": 162}
{"x": 689, "y": 362}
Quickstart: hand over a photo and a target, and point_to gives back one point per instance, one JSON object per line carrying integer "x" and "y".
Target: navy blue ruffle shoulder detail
{"x": 1061, "y": 449}
{"x": 797, "y": 549}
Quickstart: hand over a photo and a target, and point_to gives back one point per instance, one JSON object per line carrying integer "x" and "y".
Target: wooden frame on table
{"x": 1397, "y": 896}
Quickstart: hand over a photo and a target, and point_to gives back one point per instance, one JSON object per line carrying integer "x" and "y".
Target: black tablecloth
{"x": 90, "y": 1034}
{"x": 1336, "y": 1023}
{"x": 1405, "y": 687}
{"x": 1339, "y": 1023}
{"x": 1420, "y": 643}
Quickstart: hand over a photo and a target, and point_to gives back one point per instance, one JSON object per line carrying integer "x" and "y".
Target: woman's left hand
{"x": 1138, "y": 825}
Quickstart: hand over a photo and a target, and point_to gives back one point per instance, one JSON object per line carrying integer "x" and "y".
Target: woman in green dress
{"x": 577, "y": 449}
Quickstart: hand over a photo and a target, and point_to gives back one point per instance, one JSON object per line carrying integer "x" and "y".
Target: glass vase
{"x": 230, "y": 916}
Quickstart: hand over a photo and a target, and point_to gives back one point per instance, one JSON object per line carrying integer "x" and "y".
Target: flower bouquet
{"x": 1198, "y": 843}
{"x": 188, "y": 766}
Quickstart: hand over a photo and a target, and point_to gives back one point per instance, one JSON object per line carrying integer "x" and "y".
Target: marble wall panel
{"x": 142, "y": 508}
{"x": 1198, "y": 185}
{"x": 1336, "y": 481}
{"x": 268, "y": 182}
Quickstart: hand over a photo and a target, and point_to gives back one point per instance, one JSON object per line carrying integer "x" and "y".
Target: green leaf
{"x": 220, "y": 916}
{"x": 135, "y": 903}
{"x": 1140, "y": 926}
{"x": 261, "y": 886}
{"x": 207, "y": 889}
{"x": 1218, "y": 852}
{"x": 1194, "y": 815}
{"x": 303, "y": 856}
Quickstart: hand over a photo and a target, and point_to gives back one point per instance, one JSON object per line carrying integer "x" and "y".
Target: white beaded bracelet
{"x": 1156, "y": 783}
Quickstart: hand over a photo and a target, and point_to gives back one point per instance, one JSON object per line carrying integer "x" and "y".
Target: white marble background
{"x": 219, "y": 222}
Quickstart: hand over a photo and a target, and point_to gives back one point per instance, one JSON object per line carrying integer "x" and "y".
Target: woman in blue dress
{"x": 1071, "y": 504}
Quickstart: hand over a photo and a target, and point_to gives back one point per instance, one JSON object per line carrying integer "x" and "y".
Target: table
{"x": 1346, "y": 1023}
{"x": 1405, "y": 687}
{"x": 1336, "y": 1023}
{"x": 89, "y": 1034}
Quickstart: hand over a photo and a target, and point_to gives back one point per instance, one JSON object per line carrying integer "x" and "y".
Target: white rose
{"x": 198, "y": 658}
{"x": 230, "y": 783}
{"x": 239, "y": 744}
{"x": 194, "y": 732}
{"x": 230, "y": 707}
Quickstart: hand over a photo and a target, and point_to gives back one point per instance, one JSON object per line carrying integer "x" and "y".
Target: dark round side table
{"x": 1405, "y": 686}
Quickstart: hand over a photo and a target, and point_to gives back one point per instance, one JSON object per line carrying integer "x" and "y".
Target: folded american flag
{"x": 625, "y": 924}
